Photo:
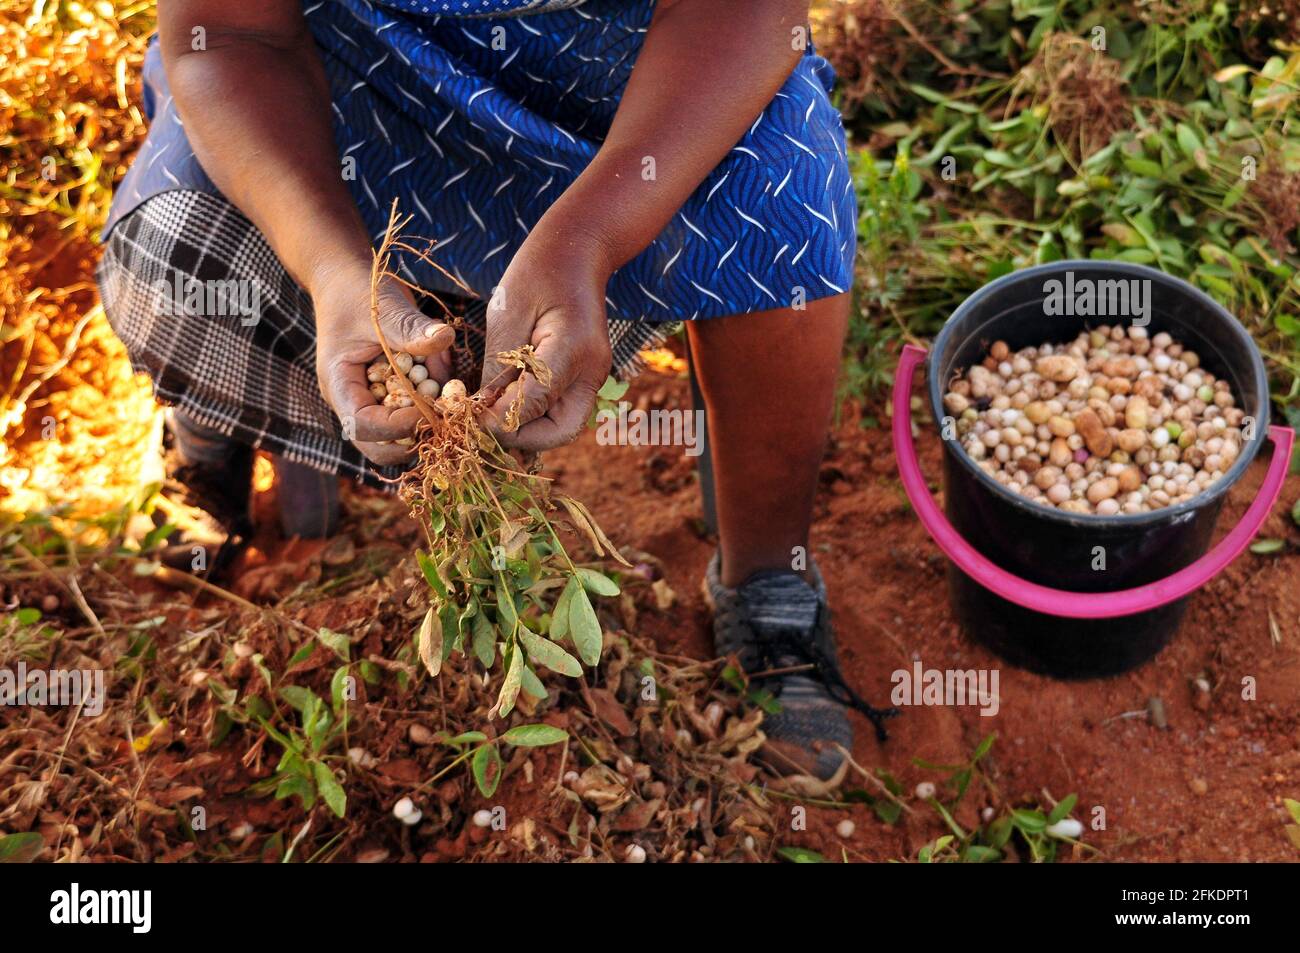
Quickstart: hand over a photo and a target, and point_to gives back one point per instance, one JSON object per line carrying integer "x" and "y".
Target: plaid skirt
{"x": 206, "y": 309}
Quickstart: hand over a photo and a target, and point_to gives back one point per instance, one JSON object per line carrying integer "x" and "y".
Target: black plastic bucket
{"x": 1042, "y": 546}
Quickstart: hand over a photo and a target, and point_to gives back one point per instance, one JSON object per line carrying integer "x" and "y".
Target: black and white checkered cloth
{"x": 253, "y": 379}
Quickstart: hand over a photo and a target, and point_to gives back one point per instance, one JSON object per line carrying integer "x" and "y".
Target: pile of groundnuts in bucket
{"x": 1115, "y": 421}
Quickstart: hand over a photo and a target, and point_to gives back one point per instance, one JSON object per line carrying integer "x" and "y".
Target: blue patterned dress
{"x": 477, "y": 114}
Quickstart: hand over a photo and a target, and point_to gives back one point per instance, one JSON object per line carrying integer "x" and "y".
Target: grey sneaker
{"x": 778, "y": 627}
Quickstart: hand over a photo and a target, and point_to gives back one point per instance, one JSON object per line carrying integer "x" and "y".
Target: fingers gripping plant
{"x": 501, "y": 583}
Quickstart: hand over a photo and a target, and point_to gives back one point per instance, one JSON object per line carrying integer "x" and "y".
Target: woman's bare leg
{"x": 768, "y": 381}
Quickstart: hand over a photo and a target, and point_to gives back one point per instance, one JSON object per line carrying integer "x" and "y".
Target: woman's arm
{"x": 707, "y": 69}
{"x": 256, "y": 106}
{"x": 705, "y": 72}
{"x": 249, "y": 85}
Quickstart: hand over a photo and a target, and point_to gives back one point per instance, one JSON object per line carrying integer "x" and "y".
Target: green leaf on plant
{"x": 449, "y": 620}
{"x": 765, "y": 700}
{"x": 1292, "y": 808}
{"x": 156, "y": 536}
{"x": 1266, "y": 547}
{"x": 612, "y": 389}
{"x": 545, "y": 652}
{"x": 1293, "y": 835}
{"x": 926, "y": 854}
{"x": 1287, "y": 324}
{"x": 465, "y": 737}
{"x": 584, "y": 627}
{"x": 255, "y": 706}
{"x": 999, "y": 832}
{"x": 1031, "y": 822}
{"x": 21, "y": 848}
{"x": 1187, "y": 140}
{"x": 1063, "y": 809}
{"x": 330, "y": 789}
{"x": 338, "y": 689}
{"x": 1143, "y": 167}
{"x": 939, "y": 99}
{"x": 486, "y": 767}
{"x": 597, "y": 583}
{"x": 560, "y": 617}
{"x": 530, "y": 683}
{"x": 304, "y": 652}
{"x": 507, "y": 614}
{"x": 800, "y": 855}
{"x": 534, "y": 736}
{"x": 296, "y": 784}
{"x": 887, "y": 810}
{"x": 336, "y": 642}
{"x": 431, "y": 574}
{"x": 485, "y": 636}
{"x": 298, "y": 697}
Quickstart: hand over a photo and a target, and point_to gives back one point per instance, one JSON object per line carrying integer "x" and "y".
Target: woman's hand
{"x": 706, "y": 70}
{"x": 346, "y": 344}
{"x": 552, "y": 296}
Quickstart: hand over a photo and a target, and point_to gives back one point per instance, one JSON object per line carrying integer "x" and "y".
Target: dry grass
{"x": 1278, "y": 194}
{"x": 75, "y": 423}
{"x": 671, "y": 773}
{"x": 1084, "y": 93}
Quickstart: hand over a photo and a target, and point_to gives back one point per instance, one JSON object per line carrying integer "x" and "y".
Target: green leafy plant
{"x": 738, "y": 681}
{"x": 607, "y": 398}
{"x": 484, "y": 755}
{"x": 1036, "y": 830}
{"x": 304, "y": 768}
{"x": 1034, "y": 132}
{"x": 502, "y": 586}
{"x": 887, "y": 804}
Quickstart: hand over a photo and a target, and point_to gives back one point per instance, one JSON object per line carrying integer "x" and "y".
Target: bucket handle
{"x": 1060, "y": 602}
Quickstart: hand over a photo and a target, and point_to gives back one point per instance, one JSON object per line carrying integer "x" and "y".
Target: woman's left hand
{"x": 552, "y": 296}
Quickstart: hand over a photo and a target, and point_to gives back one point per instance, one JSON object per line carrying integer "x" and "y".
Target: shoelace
{"x": 776, "y": 644}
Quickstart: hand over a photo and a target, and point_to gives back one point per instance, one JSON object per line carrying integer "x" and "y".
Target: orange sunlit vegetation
{"x": 75, "y": 423}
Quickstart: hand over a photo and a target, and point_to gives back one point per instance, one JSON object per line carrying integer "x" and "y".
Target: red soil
{"x": 1209, "y": 787}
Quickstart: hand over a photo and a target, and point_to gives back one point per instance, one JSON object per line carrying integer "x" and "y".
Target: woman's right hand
{"x": 346, "y": 344}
